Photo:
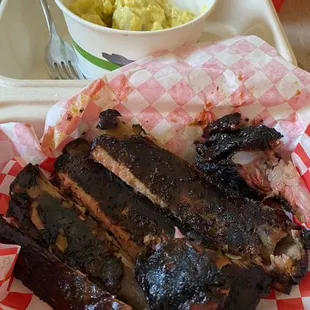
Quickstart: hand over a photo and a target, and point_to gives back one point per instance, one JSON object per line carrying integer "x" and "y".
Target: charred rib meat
{"x": 242, "y": 160}
{"x": 227, "y": 123}
{"x": 129, "y": 216}
{"x": 108, "y": 119}
{"x": 177, "y": 274}
{"x": 240, "y": 226}
{"x": 225, "y": 175}
{"x": 53, "y": 281}
{"x": 77, "y": 147}
{"x": 223, "y": 139}
{"x": 55, "y": 224}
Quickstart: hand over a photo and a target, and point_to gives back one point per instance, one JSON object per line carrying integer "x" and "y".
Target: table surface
{"x": 295, "y": 17}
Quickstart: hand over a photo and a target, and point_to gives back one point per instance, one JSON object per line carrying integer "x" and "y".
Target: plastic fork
{"x": 60, "y": 58}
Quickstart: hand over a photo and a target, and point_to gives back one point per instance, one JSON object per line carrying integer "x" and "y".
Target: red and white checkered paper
{"x": 168, "y": 94}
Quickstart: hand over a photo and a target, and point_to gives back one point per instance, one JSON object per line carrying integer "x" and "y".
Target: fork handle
{"x": 48, "y": 17}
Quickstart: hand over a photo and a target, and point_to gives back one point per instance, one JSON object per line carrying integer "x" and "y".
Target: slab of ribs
{"x": 125, "y": 224}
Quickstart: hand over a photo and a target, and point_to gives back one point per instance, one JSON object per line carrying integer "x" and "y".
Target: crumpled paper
{"x": 169, "y": 94}
{"x": 8, "y": 255}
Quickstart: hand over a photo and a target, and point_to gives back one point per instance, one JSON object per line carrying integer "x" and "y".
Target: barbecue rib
{"x": 223, "y": 138}
{"x": 53, "y": 281}
{"x": 129, "y": 216}
{"x": 225, "y": 175}
{"x": 85, "y": 175}
{"x": 242, "y": 160}
{"x": 220, "y": 141}
{"x": 50, "y": 219}
{"x": 54, "y": 223}
{"x": 240, "y": 226}
{"x": 176, "y": 274}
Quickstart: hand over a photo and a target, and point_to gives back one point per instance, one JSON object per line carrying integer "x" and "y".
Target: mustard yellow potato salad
{"x": 135, "y": 15}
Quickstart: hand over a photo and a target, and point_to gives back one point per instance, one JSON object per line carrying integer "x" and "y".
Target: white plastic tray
{"x": 23, "y": 37}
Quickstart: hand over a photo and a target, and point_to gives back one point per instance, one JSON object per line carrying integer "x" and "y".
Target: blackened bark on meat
{"x": 77, "y": 147}
{"x": 306, "y": 238}
{"x": 108, "y": 119}
{"x": 220, "y": 145}
{"x": 230, "y": 175}
{"x": 248, "y": 284}
{"x": 130, "y": 290}
{"x": 225, "y": 175}
{"x": 240, "y": 226}
{"x": 298, "y": 271}
{"x": 227, "y": 123}
{"x": 180, "y": 189}
{"x": 55, "y": 224}
{"x": 279, "y": 203}
{"x": 215, "y": 155}
{"x": 128, "y": 215}
{"x": 177, "y": 274}
{"x": 51, "y": 280}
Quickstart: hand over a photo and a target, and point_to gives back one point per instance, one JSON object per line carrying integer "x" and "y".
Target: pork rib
{"x": 53, "y": 281}
{"x": 226, "y": 135}
{"x": 224, "y": 145}
{"x": 54, "y": 223}
{"x": 240, "y": 226}
{"x": 129, "y": 216}
{"x": 241, "y": 159}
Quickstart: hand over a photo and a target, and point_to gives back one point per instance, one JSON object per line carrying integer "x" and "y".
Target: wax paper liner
{"x": 169, "y": 94}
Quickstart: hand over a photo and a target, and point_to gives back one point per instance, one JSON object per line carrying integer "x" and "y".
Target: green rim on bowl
{"x": 95, "y": 60}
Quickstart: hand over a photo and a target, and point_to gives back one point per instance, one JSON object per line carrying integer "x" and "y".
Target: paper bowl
{"x": 100, "y": 49}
